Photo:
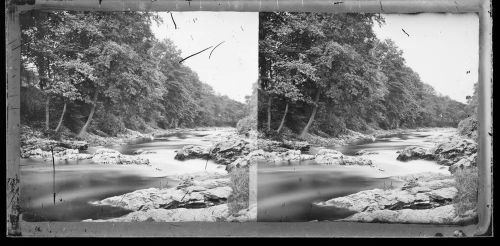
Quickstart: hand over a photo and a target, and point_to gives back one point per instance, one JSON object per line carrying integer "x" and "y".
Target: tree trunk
{"x": 311, "y": 119}
{"x": 283, "y": 119}
{"x": 61, "y": 119}
{"x": 89, "y": 119}
{"x": 269, "y": 102}
{"x": 47, "y": 113}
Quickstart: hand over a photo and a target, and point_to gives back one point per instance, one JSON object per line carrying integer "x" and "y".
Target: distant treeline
{"x": 325, "y": 73}
{"x": 105, "y": 71}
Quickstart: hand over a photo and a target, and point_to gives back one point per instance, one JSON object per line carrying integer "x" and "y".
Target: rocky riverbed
{"x": 200, "y": 197}
{"x": 423, "y": 198}
{"x": 201, "y": 191}
{"x": 455, "y": 152}
{"x": 428, "y": 198}
{"x": 236, "y": 152}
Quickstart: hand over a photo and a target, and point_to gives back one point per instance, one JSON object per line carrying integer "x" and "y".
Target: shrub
{"x": 333, "y": 127}
{"x": 136, "y": 123}
{"x": 110, "y": 124}
{"x": 239, "y": 183}
{"x": 32, "y": 105}
{"x": 246, "y": 124}
{"x": 468, "y": 127}
{"x": 466, "y": 182}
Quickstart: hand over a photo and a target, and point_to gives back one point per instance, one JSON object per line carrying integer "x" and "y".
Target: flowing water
{"x": 79, "y": 182}
{"x": 287, "y": 192}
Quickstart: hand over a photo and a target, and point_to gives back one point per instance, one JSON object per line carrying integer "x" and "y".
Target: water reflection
{"x": 78, "y": 182}
{"x": 287, "y": 192}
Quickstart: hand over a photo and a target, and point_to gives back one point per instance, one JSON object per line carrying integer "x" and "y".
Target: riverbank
{"x": 198, "y": 197}
{"x": 147, "y": 156}
{"x": 432, "y": 170}
{"x": 35, "y": 144}
{"x": 429, "y": 198}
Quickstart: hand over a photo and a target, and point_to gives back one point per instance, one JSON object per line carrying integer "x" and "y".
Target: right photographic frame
{"x": 367, "y": 117}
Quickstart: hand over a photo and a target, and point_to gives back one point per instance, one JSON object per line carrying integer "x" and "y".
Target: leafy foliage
{"x": 335, "y": 74}
{"x": 110, "y": 63}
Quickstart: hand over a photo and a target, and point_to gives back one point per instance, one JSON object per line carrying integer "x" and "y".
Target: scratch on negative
{"x": 172, "y": 17}
{"x": 215, "y": 48}
{"x": 381, "y": 7}
{"x": 194, "y": 54}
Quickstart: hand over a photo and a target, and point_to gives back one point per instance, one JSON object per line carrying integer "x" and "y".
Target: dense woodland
{"x": 103, "y": 72}
{"x": 322, "y": 73}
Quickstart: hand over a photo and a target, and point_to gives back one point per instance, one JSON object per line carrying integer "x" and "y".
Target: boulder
{"x": 450, "y": 152}
{"x": 109, "y": 156}
{"x": 225, "y": 152}
{"x": 415, "y": 153}
{"x": 193, "y": 152}
{"x": 59, "y": 154}
{"x": 209, "y": 214}
{"x": 79, "y": 145}
{"x": 329, "y": 156}
{"x": 467, "y": 162}
{"x": 270, "y": 146}
{"x": 333, "y": 157}
{"x": 36, "y": 153}
{"x": 72, "y": 154}
{"x": 439, "y": 215}
{"x": 296, "y": 145}
{"x": 190, "y": 193}
{"x": 365, "y": 152}
{"x": 415, "y": 194}
{"x": 443, "y": 195}
{"x": 143, "y": 152}
{"x": 456, "y": 152}
{"x": 277, "y": 146}
{"x": 353, "y": 160}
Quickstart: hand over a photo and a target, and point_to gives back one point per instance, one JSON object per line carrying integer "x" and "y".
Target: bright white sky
{"x": 233, "y": 66}
{"x": 441, "y": 48}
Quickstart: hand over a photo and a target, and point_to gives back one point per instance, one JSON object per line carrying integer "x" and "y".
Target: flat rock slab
{"x": 191, "y": 193}
{"x": 414, "y": 194}
{"x": 439, "y": 215}
{"x": 209, "y": 214}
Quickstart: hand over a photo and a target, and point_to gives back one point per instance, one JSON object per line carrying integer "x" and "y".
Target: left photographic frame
{"x": 136, "y": 116}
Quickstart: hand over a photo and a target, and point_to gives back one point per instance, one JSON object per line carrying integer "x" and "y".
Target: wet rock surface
{"x": 450, "y": 152}
{"x": 439, "y": 215}
{"x": 199, "y": 192}
{"x": 333, "y": 157}
{"x": 192, "y": 152}
{"x": 423, "y": 198}
{"x": 365, "y": 152}
{"x": 209, "y": 214}
{"x": 109, "y": 156}
{"x": 197, "y": 198}
{"x": 415, "y": 153}
{"x": 455, "y": 152}
{"x": 225, "y": 151}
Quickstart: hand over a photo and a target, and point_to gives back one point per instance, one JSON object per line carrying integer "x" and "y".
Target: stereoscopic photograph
{"x": 368, "y": 117}
{"x": 249, "y": 118}
{"x": 135, "y": 116}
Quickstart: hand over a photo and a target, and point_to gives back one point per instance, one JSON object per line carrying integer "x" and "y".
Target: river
{"x": 79, "y": 182}
{"x": 287, "y": 192}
